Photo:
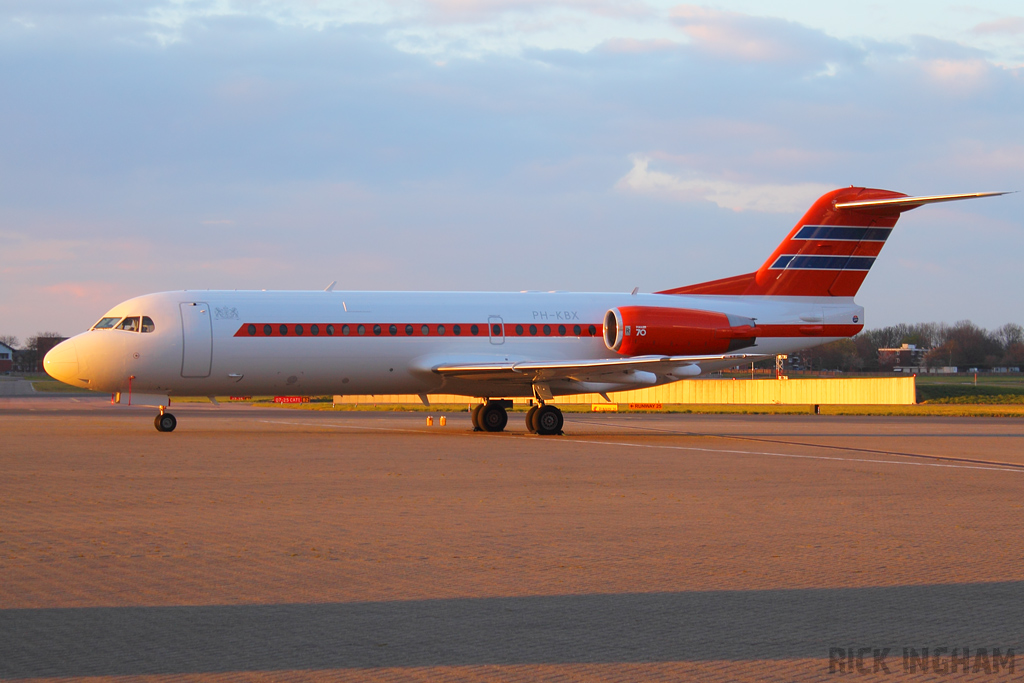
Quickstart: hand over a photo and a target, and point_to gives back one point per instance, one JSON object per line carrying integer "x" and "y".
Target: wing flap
{"x": 578, "y": 369}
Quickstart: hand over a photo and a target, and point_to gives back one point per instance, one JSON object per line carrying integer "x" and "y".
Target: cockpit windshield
{"x": 133, "y": 323}
{"x": 129, "y": 324}
{"x": 106, "y": 323}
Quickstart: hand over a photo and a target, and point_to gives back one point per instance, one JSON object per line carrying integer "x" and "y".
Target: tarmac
{"x": 283, "y": 544}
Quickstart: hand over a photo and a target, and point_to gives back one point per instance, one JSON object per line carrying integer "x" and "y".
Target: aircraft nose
{"x": 61, "y": 362}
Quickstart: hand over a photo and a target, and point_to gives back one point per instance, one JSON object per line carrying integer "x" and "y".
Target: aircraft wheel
{"x": 529, "y": 419}
{"x": 493, "y": 418}
{"x": 165, "y": 423}
{"x": 475, "y": 418}
{"x": 548, "y": 421}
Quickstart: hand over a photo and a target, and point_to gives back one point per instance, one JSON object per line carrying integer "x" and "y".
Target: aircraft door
{"x": 197, "y": 339}
{"x": 496, "y": 328}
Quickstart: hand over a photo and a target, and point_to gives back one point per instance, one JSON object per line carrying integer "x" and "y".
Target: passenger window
{"x": 425, "y": 330}
{"x": 147, "y": 324}
{"x": 129, "y": 324}
{"x": 440, "y": 329}
{"x": 408, "y": 330}
{"x": 457, "y": 329}
{"x": 106, "y": 323}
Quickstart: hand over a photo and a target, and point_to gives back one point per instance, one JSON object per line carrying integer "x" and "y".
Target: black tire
{"x": 165, "y": 423}
{"x": 529, "y": 419}
{"x": 493, "y": 418}
{"x": 548, "y": 421}
{"x": 475, "y": 418}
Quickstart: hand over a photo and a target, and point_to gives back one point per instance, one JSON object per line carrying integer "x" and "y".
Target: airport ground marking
{"x": 676, "y": 448}
{"x": 794, "y": 455}
{"x": 737, "y": 437}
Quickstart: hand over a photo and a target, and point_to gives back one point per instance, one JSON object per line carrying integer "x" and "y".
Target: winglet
{"x": 330, "y": 287}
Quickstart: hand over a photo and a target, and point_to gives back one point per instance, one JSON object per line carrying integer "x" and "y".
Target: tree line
{"x": 962, "y": 344}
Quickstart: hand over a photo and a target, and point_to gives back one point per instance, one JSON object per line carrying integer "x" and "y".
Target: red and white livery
{"x": 491, "y": 345}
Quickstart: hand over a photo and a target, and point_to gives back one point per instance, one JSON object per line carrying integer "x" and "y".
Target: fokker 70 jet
{"x": 490, "y": 345}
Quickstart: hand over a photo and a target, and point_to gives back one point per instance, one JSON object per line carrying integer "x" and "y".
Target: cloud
{"x": 94, "y": 292}
{"x": 737, "y": 196}
{"x": 634, "y": 46}
{"x": 339, "y": 156}
{"x": 958, "y": 73}
{"x": 1012, "y": 26}
{"x": 730, "y": 35}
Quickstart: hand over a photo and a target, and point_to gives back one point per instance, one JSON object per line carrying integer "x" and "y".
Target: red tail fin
{"x": 831, "y": 249}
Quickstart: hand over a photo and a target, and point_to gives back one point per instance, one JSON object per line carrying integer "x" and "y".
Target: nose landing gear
{"x": 165, "y": 422}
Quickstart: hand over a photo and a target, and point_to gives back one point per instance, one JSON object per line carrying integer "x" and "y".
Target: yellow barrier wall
{"x": 852, "y": 391}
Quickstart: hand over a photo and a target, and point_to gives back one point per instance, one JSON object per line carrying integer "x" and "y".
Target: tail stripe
{"x": 797, "y": 262}
{"x": 842, "y": 233}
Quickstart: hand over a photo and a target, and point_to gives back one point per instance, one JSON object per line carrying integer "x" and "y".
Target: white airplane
{"x": 489, "y": 345}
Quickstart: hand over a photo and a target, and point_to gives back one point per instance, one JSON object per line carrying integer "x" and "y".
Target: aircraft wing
{"x": 582, "y": 370}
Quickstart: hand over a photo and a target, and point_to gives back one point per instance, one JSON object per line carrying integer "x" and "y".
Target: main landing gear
{"x": 545, "y": 420}
{"x": 492, "y": 416}
{"x": 165, "y": 422}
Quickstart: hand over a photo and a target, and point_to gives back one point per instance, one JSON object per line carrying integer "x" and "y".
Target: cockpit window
{"x": 129, "y": 324}
{"x": 106, "y": 323}
{"x": 147, "y": 324}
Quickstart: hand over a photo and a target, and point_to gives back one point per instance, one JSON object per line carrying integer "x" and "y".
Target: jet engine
{"x": 649, "y": 330}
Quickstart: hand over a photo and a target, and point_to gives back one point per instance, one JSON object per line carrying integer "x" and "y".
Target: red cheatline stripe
{"x": 303, "y": 330}
{"x": 510, "y": 330}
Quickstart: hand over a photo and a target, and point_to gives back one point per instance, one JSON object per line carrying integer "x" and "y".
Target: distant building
{"x": 31, "y": 360}
{"x": 906, "y": 358}
{"x": 6, "y": 358}
{"x": 43, "y": 347}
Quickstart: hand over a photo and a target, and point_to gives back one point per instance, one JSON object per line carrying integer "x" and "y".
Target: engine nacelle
{"x": 646, "y": 330}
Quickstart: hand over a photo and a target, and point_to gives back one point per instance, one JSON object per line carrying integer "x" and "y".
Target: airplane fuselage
{"x": 314, "y": 343}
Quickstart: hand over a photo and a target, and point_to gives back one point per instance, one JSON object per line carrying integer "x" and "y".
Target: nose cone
{"x": 61, "y": 362}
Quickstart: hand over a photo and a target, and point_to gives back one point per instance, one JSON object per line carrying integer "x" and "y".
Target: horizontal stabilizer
{"x": 831, "y": 249}
{"x": 907, "y": 203}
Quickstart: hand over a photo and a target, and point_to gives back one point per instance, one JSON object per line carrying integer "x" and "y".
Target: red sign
{"x": 291, "y": 399}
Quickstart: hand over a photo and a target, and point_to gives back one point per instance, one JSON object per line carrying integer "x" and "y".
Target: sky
{"x": 581, "y": 145}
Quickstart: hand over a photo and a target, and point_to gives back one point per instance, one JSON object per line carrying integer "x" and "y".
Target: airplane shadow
{"x": 630, "y": 627}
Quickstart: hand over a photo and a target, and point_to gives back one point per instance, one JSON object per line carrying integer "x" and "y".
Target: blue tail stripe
{"x": 843, "y": 232}
{"x": 791, "y": 262}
